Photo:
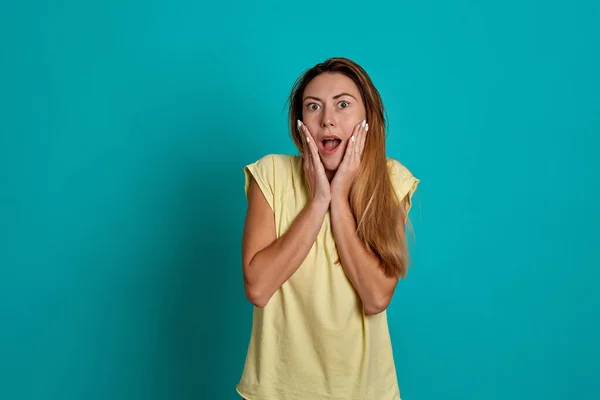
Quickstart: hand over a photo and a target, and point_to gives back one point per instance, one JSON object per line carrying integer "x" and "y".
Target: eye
{"x": 344, "y": 104}
{"x": 312, "y": 106}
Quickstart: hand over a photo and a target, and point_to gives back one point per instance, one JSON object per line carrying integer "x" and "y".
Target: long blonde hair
{"x": 379, "y": 215}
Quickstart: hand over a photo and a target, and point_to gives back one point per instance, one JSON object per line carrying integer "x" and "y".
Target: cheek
{"x": 311, "y": 122}
{"x": 349, "y": 126}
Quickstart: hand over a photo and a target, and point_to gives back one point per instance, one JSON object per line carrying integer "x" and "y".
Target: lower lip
{"x": 330, "y": 152}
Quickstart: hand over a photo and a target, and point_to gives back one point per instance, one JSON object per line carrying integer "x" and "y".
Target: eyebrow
{"x": 334, "y": 97}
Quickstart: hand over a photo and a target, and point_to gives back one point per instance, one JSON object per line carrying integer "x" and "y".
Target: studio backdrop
{"x": 124, "y": 130}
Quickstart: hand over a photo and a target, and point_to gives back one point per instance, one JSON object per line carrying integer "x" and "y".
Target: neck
{"x": 330, "y": 175}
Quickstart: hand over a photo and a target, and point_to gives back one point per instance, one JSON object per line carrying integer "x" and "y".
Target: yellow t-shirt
{"x": 312, "y": 341}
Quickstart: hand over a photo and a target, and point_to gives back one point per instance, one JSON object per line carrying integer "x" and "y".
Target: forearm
{"x": 360, "y": 265}
{"x": 271, "y": 267}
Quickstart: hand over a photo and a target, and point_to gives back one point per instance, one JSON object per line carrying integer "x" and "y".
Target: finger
{"x": 363, "y": 138}
{"x": 307, "y": 134}
{"x": 359, "y": 139}
{"x": 352, "y": 146}
{"x": 305, "y": 141}
{"x": 312, "y": 145}
{"x": 354, "y": 141}
{"x": 302, "y": 135}
{"x": 306, "y": 155}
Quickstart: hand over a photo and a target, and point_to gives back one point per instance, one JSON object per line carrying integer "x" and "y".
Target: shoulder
{"x": 397, "y": 169}
{"x": 403, "y": 180}
{"x": 275, "y": 159}
{"x": 271, "y": 172}
{"x": 280, "y": 163}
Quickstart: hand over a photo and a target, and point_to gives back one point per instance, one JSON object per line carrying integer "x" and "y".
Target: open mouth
{"x": 330, "y": 145}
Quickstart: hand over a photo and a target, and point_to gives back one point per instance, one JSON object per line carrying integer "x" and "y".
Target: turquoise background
{"x": 124, "y": 128}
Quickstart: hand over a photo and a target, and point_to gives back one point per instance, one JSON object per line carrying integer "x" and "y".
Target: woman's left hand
{"x": 346, "y": 172}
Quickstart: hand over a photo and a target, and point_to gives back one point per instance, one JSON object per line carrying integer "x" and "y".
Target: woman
{"x": 324, "y": 246}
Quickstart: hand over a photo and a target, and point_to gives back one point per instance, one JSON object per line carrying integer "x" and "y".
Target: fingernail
{"x": 352, "y": 138}
{"x": 307, "y": 140}
{"x": 367, "y": 128}
{"x": 364, "y": 123}
{"x": 298, "y": 123}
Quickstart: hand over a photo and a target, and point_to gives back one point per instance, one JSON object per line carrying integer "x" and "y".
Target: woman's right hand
{"x": 314, "y": 171}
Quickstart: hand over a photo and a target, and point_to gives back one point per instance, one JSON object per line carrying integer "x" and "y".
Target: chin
{"x": 331, "y": 165}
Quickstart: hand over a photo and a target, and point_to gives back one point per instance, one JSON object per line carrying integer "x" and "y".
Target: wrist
{"x": 340, "y": 196}
{"x": 340, "y": 201}
{"x": 319, "y": 205}
{"x": 338, "y": 192}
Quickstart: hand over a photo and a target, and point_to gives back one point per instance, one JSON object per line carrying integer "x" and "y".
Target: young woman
{"x": 324, "y": 245}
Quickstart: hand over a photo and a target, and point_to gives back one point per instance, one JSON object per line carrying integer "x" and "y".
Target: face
{"x": 331, "y": 109}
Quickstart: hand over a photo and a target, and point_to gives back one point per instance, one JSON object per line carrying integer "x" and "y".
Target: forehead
{"x": 330, "y": 84}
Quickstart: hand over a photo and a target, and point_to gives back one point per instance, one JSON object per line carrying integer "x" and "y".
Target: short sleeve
{"x": 263, "y": 172}
{"x": 403, "y": 182}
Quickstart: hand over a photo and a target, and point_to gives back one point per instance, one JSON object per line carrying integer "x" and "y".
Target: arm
{"x": 361, "y": 265}
{"x": 267, "y": 261}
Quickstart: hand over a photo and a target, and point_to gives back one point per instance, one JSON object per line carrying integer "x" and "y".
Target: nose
{"x": 327, "y": 118}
